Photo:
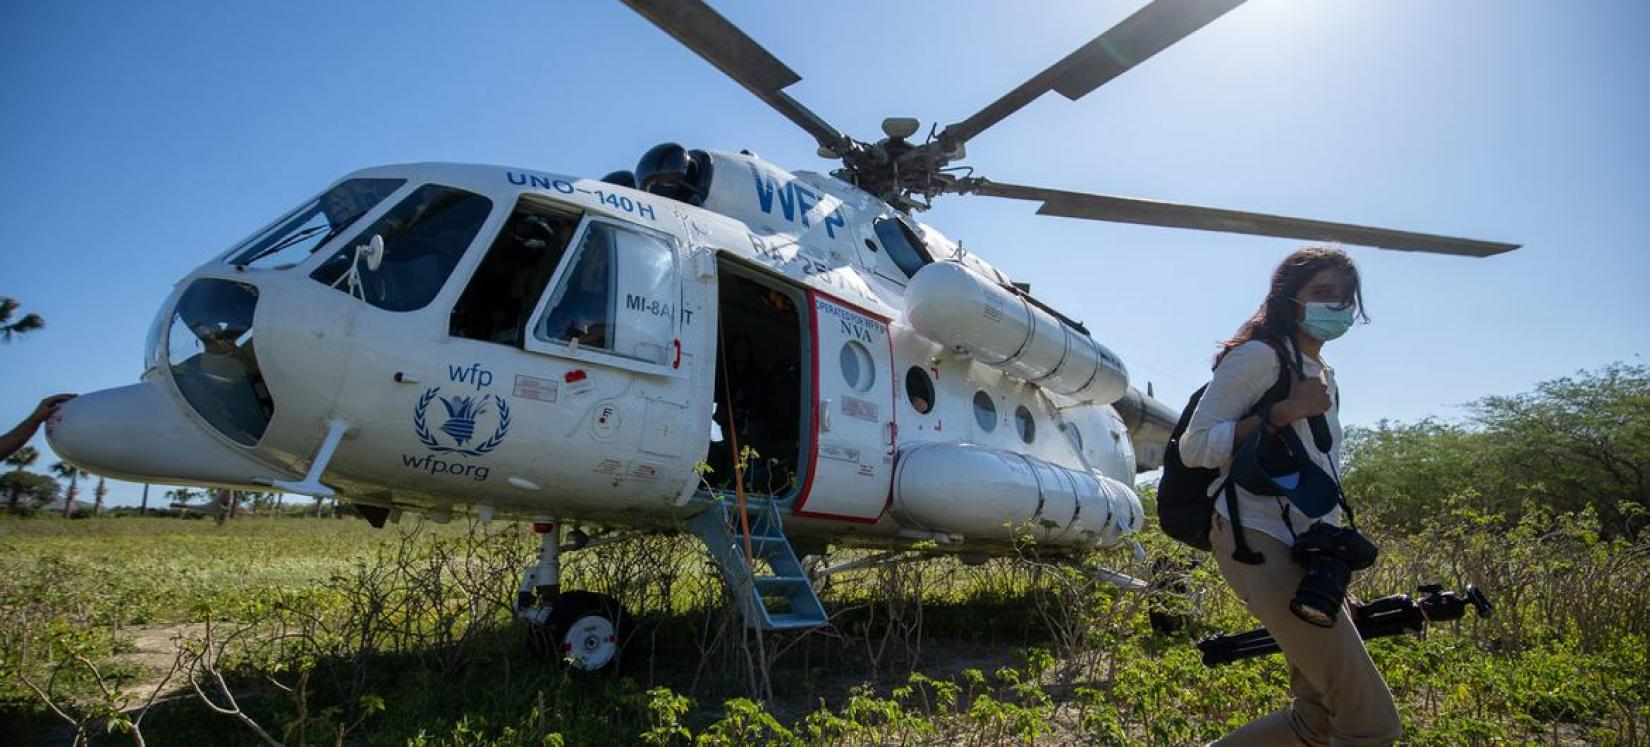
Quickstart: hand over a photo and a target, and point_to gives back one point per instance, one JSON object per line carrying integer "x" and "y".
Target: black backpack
{"x": 1184, "y": 506}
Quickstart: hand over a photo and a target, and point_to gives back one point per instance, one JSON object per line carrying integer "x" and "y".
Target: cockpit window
{"x": 902, "y": 245}
{"x": 508, "y": 283}
{"x": 424, "y": 236}
{"x": 299, "y": 233}
{"x": 619, "y": 295}
{"x": 213, "y": 361}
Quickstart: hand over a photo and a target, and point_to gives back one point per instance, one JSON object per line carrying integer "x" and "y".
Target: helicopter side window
{"x": 618, "y": 295}
{"x": 291, "y": 239}
{"x": 1024, "y": 424}
{"x": 510, "y": 280}
{"x": 901, "y": 245}
{"x": 424, "y": 237}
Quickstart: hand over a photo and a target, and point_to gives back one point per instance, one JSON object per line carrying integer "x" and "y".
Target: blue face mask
{"x": 1327, "y": 321}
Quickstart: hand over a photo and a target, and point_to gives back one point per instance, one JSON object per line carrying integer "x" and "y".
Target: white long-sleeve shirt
{"x": 1239, "y": 382}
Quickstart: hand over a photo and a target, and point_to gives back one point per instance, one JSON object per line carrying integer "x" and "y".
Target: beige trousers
{"x": 1339, "y": 697}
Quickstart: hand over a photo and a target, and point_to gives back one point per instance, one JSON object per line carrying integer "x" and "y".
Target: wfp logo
{"x": 462, "y": 413}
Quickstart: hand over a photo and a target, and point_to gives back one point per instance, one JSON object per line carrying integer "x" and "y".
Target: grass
{"x": 156, "y": 570}
{"x": 400, "y": 637}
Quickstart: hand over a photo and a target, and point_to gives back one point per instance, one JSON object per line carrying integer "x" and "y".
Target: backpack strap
{"x": 1286, "y": 369}
{"x": 1241, "y": 552}
{"x": 1279, "y": 390}
{"x": 1319, "y": 424}
{"x": 1291, "y": 362}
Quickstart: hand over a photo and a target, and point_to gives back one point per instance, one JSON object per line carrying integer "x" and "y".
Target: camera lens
{"x": 1310, "y": 611}
{"x": 1318, "y": 599}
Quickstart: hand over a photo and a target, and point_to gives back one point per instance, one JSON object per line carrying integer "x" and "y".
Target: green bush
{"x": 1572, "y": 445}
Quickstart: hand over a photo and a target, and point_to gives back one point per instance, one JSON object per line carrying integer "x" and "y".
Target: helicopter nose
{"x": 140, "y": 433}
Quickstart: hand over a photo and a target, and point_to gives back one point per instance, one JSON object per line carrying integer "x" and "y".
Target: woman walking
{"x": 1339, "y": 697}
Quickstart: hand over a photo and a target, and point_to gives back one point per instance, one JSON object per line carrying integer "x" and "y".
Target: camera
{"x": 1330, "y": 555}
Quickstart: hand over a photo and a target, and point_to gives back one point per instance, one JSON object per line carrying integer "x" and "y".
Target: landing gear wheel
{"x": 814, "y": 566}
{"x": 585, "y": 630}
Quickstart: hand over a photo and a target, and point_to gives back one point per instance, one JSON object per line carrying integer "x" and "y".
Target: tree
{"x": 1573, "y": 444}
{"x": 19, "y": 460}
{"x": 72, "y": 473}
{"x": 228, "y": 502}
{"x": 262, "y": 503}
{"x": 28, "y": 322}
{"x": 36, "y": 489}
{"x": 181, "y": 497}
{"x": 99, "y": 493}
{"x": 1579, "y": 442}
{"x": 1404, "y": 473}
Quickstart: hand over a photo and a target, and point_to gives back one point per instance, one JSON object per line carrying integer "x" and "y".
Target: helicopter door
{"x": 852, "y": 459}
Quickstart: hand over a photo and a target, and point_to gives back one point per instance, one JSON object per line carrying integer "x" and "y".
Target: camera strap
{"x": 1334, "y": 471}
{"x": 1288, "y": 523}
{"x": 1325, "y": 442}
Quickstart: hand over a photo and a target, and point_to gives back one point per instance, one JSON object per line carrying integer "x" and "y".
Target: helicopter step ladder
{"x": 784, "y": 600}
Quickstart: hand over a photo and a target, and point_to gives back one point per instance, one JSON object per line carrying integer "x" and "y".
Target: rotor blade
{"x": 1174, "y": 215}
{"x": 700, "y": 28}
{"x": 1149, "y": 31}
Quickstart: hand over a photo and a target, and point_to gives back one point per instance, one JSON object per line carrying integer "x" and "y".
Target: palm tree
{"x": 181, "y": 498}
{"x": 19, "y": 460}
{"x": 29, "y": 322}
{"x": 226, "y": 500}
{"x": 262, "y": 502}
{"x": 72, "y": 473}
{"x": 99, "y": 493}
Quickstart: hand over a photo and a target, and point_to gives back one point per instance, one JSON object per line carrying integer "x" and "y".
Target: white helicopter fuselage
{"x": 569, "y": 427}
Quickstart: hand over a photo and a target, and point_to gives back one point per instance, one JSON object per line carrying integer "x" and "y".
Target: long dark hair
{"x": 1275, "y": 320}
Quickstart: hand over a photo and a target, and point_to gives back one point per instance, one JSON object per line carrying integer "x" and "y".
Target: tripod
{"x": 1380, "y": 618}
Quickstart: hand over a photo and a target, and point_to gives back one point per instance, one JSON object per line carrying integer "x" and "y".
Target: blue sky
{"x": 137, "y": 139}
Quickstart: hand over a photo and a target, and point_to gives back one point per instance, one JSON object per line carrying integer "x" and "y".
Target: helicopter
{"x": 780, "y": 362}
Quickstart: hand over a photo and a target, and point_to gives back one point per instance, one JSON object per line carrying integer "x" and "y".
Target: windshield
{"x": 297, "y": 235}
{"x": 424, "y": 236}
{"x": 210, "y": 351}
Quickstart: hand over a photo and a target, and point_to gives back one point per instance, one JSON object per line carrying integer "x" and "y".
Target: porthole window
{"x": 1023, "y": 423}
{"x": 985, "y": 411}
{"x": 919, "y": 388}
{"x": 857, "y": 368}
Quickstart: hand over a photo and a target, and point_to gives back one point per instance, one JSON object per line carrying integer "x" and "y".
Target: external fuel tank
{"x": 984, "y": 493}
{"x": 958, "y": 308}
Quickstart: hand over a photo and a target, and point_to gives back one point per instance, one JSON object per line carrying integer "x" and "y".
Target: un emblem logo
{"x": 459, "y": 426}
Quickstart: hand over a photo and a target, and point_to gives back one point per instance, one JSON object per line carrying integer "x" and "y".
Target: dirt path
{"x": 154, "y": 649}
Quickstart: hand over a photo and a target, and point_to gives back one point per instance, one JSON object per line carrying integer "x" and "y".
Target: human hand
{"x": 1307, "y": 397}
{"x": 48, "y": 406}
